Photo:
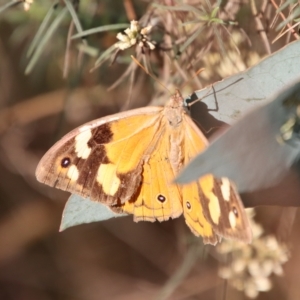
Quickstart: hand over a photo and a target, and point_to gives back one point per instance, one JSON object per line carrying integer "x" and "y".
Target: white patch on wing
{"x": 108, "y": 178}
{"x": 81, "y": 144}
{"x": 73, "y": 173}
{"x": 225, "y": 188}
{"x": 214, "y": 208}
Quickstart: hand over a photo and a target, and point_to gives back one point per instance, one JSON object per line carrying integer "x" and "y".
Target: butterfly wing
{"x": 217, "y": 203}
{"x": 194, "y": 141}
{"x": 194, "y": 215}
{"x": 158, "y": 198}
{"x": 223, "y": 208}
{"x": 102, "y": 160}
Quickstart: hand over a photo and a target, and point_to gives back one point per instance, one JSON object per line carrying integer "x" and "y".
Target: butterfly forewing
{"x": 100, "y": 162}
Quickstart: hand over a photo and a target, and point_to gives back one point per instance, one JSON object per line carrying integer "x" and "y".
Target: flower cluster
{"x": 27, "y": 4}
{"x": 134, "y": 35}
{"x": 252, "y": 265}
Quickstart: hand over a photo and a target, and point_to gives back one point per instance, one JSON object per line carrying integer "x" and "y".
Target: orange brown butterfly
{"x": 128, "y": 161}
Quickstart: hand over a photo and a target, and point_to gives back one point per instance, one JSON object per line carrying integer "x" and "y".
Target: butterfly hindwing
{"x": 157, "y": 198}
{"x": 218, "y": 201}
{"x": 223, "y": 208}
{"x": 194, "y": 217}
{"x": 194, "y": 141}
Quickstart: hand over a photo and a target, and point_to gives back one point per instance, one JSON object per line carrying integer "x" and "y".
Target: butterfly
{"x": 128, "y": 161}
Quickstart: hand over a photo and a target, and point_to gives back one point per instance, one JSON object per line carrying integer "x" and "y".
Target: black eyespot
{"x": 188, "y": 205}
{"x": 235, "y": 211}
{"x": 161, "y": 198}
{"x": 65, "y": 162}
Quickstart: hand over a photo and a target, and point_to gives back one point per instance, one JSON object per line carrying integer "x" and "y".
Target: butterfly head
{"x": 175, "y": 109}
{"x": 176, "y": 101}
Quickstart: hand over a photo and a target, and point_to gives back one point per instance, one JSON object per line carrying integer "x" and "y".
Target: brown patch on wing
{"x": 125, "y": 191}
{"x": 89, "y": 168}
{"x": 118, "y": 207}
{"x": 66, "y": 156}
{"x": 101, "y": 135}
{"x": 224, "y": 205}
{"x": 89, "y": 187}
{"x": 237, "y": 229}
{"x": 223, "y": 220}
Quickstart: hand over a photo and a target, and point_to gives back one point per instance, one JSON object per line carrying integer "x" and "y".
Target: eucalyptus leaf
{"x": 81, "y": 211}
{"x": 258, "y": 150}
{"x": 237, "y": 94}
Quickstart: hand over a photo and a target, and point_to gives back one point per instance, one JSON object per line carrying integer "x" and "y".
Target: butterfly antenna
{"x": 206, "y": 94}
{"x": 214, "y": 92}
{"x": 147, "y": 72}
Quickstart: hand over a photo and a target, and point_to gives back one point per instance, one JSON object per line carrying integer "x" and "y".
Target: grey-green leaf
{"x": 258, "y": 150}
{"x": 239, "y": 93}
{"x": 81, "y": 211}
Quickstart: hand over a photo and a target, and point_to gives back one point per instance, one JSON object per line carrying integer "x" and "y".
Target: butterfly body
{"x": 128, "y": 162}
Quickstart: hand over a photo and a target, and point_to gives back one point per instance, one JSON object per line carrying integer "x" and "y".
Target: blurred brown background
{"x": 115, "y": 259}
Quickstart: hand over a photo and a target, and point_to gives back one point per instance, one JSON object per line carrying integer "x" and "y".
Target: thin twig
{"x": 260, "y": 27}
{"x": 290, "y": 27}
